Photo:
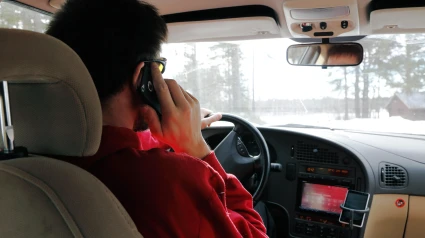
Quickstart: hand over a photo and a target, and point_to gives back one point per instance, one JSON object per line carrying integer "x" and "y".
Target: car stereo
{"x": 320, "y": 193}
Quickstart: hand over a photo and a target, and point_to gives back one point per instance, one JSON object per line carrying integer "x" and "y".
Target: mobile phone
{"x": 357, "y": 201}
{"x": 147, "y": 90}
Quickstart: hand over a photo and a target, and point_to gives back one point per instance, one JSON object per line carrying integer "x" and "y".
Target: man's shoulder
{"x": 156, "y": 165}
{"x": 157, "y": 159}
{"x": 171, "y": 158}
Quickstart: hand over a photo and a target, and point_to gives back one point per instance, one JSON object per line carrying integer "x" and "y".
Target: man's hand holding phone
{"x": 180, "y": 125}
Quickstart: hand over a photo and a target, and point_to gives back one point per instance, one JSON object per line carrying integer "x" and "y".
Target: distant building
{"x": 409, "y": 106}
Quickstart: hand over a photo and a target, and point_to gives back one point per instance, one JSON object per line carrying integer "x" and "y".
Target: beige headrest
{"x": 54, "y": 103}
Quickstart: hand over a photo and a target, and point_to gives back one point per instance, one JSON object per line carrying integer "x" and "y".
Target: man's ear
{"x": 136, "y": 74}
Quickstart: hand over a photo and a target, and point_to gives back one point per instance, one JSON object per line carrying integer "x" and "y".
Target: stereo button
{"x": 310, "y": 229}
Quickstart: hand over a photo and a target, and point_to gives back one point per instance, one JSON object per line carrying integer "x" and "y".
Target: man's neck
{"x": 117, "y": 112}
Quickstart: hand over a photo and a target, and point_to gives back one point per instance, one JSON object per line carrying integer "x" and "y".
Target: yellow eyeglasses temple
{"x": 160, "y": 67}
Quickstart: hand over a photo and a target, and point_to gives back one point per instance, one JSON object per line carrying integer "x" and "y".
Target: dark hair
{"x": 111, "y": 37}
{"x": 345, "y": 50}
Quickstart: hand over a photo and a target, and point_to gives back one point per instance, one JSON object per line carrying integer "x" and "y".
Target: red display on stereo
{"x": 328, "y": 171}
{"x": 324, "y": 198}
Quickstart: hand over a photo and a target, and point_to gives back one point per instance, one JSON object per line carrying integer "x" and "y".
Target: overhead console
{"x": 322, "y": 19}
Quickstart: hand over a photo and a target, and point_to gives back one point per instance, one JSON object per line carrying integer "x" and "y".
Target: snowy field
{"x": 391, "y": 124}
{"x": 382, "y": 124}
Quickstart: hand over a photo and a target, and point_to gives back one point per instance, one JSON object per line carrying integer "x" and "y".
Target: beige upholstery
{"x": 66, "y": 116}
{"x": 55, "y": 110}
{"x": 44, "y": 197}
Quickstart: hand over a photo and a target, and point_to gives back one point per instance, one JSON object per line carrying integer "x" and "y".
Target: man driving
{"x": 167, "y": 194}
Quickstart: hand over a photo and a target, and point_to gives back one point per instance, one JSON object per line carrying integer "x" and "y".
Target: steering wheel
{"x": 252, "y": 171}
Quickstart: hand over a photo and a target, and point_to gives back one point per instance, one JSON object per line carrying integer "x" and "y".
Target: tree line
{"x": 390, "y": 61}
{"x": 394, "y": 61}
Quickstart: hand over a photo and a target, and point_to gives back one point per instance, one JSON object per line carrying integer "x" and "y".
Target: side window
{"x": 17, "y": 17}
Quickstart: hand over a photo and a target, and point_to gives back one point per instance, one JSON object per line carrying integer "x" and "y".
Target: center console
{"x": 314, "y": 184}
{"x": 320, "y": 192}
{"x": 320, "y": 176}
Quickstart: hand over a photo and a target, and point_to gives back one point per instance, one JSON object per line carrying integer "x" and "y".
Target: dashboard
{"x": 321, "y": 165}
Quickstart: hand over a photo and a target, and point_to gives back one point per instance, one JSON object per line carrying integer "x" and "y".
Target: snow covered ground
{"x": 390, "y": 124}
{"x": 382, "y": 124}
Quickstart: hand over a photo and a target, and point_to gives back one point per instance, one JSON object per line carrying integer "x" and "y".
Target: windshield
{"x": 17, "y": 17}
{"x": 252, "y": 79}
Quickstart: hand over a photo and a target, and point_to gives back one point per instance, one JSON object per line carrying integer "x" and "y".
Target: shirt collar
{"x": 115, "y": 139}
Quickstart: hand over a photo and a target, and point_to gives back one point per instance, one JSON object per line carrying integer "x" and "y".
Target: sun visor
{"x": 223, "y": 29}
{"x": 398, "y": 20}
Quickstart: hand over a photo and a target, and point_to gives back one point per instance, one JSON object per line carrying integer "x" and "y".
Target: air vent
{"x": 392, "y": 176}
{"x": 314, "y": 153}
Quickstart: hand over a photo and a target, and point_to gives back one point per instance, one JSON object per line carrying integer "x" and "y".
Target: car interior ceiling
{"x": 318, "y": 176}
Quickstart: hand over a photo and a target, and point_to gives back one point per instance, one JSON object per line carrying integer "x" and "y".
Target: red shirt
{"x": 173, "y": 195}
{"x": 147, "y": 141}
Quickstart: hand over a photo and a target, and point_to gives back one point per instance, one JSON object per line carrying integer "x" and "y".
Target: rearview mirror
{"x": 336, "y": 54}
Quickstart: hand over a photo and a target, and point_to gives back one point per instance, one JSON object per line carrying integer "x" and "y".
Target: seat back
{"x": 55, "y": 111}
